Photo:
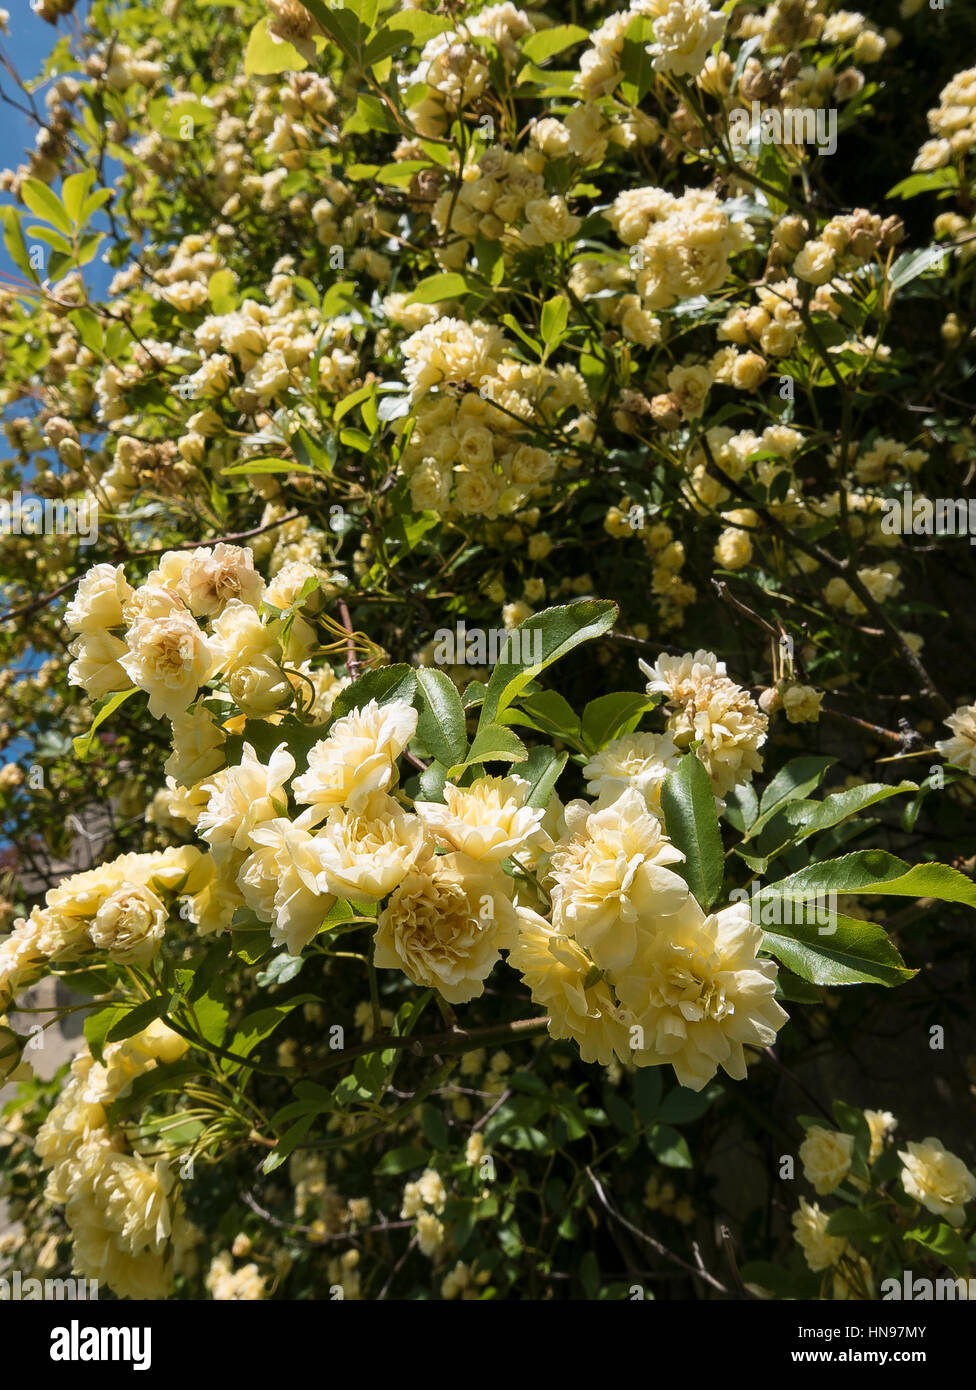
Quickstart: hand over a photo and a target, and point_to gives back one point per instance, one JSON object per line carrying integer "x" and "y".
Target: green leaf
{"x": 682, "y": 1106}
{"x": 261, "y": 1024}
{"x": 638, "y": 69}
{"x": 210, "y": 1014}
{"x": 874, "y": 871}
{"x": 448, "y": 285}
{"x": 856, "y": 953}
{"x": 83, "y": 744}
{"x": 541, "y": 770}
{"x": 370, "y": 115}
{"x": 59, "y": 243}
{"x": 549, "y": 712}
{"x": 669, "y": 1147}
{"x": 916, "y": 263}
{"x": 799, "y": 776}
{"x": 688, "y": 805}
{"x": 555, "y": 316}
{"x": 492, "y": 743}
{"x": 13, "y": 240}
{"x": 74, "y": 192}
{"x": 741, "y": 806}
{"x": 134, "y": 1020}
{"x": 98, "y": 1023}
{"x": 431, "y": 782}
{"x": 611, "y": 716}
{"x": 434, "y": 1126}
{"x": 284, "y": 967}
{"x": 43, "y": 202}
{"x": 343, "y": 26}
{"x": 351, "y": 401}
{"x": 402, "y": 1160}
{"x": 287, "y": 1144}
{"x": 647, "y": 1092}
{"x": 548, "y": 42}
{"x": 943, "y": 1241}
{"x": 179, "y": 117}
{"x": 408, "y": 29}
{"x": 265, "y": 465}
{"x": 441, "y": 725}
{"x": 934, "y": 179}
{"x": 857, "y": 1224}
{"x": 220, "y": 288}
{"x": 265, "y": 56}
{"x": 562, "y": 629}
{"x": 806, "y": 818}
{"x": 384, "y": 685}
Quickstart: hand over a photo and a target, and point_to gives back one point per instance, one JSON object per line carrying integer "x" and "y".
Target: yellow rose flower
{"x": 826, "y": 1156}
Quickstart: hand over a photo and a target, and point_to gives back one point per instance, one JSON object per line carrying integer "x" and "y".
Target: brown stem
{"x": 351, "y": 661}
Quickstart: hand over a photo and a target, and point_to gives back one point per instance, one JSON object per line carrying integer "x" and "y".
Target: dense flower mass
{"x": 384, "y": 386}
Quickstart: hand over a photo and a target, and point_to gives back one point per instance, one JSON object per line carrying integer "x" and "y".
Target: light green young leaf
{"x": 492, "y": 743}
{"x": 265, "y": 56}
{"x": 83, "y": 744}
{"x": 548, "y": 42}
{"x": 609, "y": 717}
{"x": 44, "y": 202}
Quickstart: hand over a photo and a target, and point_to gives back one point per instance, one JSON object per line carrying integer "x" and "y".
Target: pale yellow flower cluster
{"x": 930, "y": 1174}
{"x": 826, "y": 1156}
{"x": 163, "y": 650}
{"x": 881, "y": 581}
{"x": 591, "y": 278}
{"x": 820, "y": 1250}
{"x": 661, "y": 1195}
{"x": 672, "y": 593}
{"x": 681, "y": 246}
{"x": 952, "y": 123}
{"x": 447, "y": 922}
{"x": 938, "y": 1179}
{"x": 844, "y": 244}
{"x": 705, "y": 705}
{"x": 121, "y": 908}
{"x": 684, "y": 33}
{"x": 503, "y": 194}
{"x": 960, "y": 749}
{"x": 464, "y": 1282}
{"x": 455, "y": 70}
{"x": 290, "y": 872}
{"x": 629, "y": 966}
{"x": 468, "y": 455}
{"x": 226, "y": 1284}
{"x": 124, "y": 1211}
